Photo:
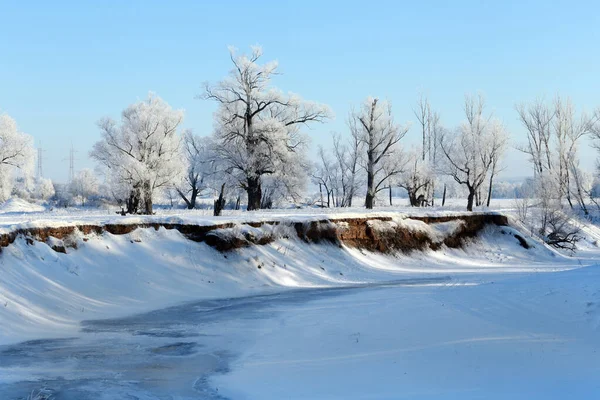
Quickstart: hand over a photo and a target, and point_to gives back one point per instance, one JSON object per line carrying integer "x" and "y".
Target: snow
{"x": 437, "y": 232}
{"x": 46, "y": 293}
{"x": 15, "y": 205}
{"x": 35, "y": 216}
{"x": 532, "y": 336}
{"x": 291, "y": 319}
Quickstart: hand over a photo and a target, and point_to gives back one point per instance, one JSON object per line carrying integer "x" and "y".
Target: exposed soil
{"x": 363, "y": 232}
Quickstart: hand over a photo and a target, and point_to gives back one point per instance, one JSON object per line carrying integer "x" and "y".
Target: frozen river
{"x": 410, "y": 339}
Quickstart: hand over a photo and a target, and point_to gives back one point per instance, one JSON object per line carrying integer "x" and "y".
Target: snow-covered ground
{"x": 292, "y": 320}
{"x": 17, "y": 213}
{"x": 527, "y": 337}
{"x": 46, "y": 294}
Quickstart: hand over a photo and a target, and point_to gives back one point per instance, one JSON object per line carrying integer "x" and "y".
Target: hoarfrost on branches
{"x": 471, "y": 153}
{"x": 374, "y": 128}
{"x": 143, "y": 151}
{"x": 257, "y": 127}
{"x": 16, "y": 153}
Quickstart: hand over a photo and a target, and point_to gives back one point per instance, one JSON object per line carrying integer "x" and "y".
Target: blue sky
{"x": 65, "y": 64}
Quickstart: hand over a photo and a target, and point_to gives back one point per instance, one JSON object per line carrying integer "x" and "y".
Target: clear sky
{"x": 65, "y": 64}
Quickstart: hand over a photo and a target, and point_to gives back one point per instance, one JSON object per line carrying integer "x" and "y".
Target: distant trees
{"x": 202, "y": 163}
{"x": 327, "y": 175}
{"x": 338, "y": 174}
{"x": 43, "y": 189}
{"x": 553, "y": 134}
{"x": 257, "y": 126}
{"x": 347, "y": 157}
{"x": 258, "y": 150}
{"x": 84, "y": 185}
{"x": 16, "y": 152}
{"x": 142, "y": 153}
{"x": 472, "y": 152}
{"x": 378, "y": 135}
{"x": 416, "y": 178}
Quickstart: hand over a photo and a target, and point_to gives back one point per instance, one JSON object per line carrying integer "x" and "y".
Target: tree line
{"x": 258, "y": 152}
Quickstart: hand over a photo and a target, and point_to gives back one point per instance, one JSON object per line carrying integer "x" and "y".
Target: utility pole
{"x": 71, "y": 163}
{"x": 40, "y": 170}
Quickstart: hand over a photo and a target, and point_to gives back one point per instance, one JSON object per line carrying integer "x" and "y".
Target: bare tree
{"x": 257, "y": 126}
{"x": 347, "y": 156}
{"x": 373, "y": 127}
{"x": 423, "y": 114}
{"x": 537, "y": 119}
{"x": 553, "y": 134}
{"x": 471, "y": 150}
{"x": 325, "y": 174}
{"x": 203, "y": 164}
{"x": 419, "y": 179}
{"x": 416, "y": 178}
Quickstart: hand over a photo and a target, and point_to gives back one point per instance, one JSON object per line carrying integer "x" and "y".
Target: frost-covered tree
{"x": 257, "y": 127}
{"x": 420, "y": 175}
{"x": 416, "y": 178}
{"x": 202, "y": 167}
{"x": 84, "y": 185}
{"x": 326, "y": 174}
{"x": 374, "y": 128}
{"x": 43, "y": 189}
{"x": 471, "y": 151}
{"x": 347, "y": 157}
{"x": 143, "y": 151}
{"x": 554, "y": 131}
{"x": 16, "y": 152}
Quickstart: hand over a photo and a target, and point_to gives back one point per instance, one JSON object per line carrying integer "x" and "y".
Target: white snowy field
{"x": 527, "y": 337}
{"x": 492, "y": 320}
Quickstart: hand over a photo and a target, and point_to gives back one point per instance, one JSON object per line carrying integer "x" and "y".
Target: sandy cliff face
{"x": 381, "y": 234}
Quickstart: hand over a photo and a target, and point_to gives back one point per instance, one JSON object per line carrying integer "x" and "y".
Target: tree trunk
{"x": 444, "y": 196}
{"x": 188, "y": 203}
{"x": 237, "y": 203}
{"x": 490, "y": 190}
{"x": 321, "y": 193}
{"x": 369, "y": 201}
{"x": 147, "y": 199}
{"x": 220, "y": 202}
{"x": 412, "y": 198}
{"x": 193, "y": 198}
{"x": 370, "y": 198}
{"x": 390, "y": 187}
{"x": 470, "y": 199}
{"x": 569, "y": 198}
{"x": 133, "y": 201}
{"x": 254, "y": 191}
